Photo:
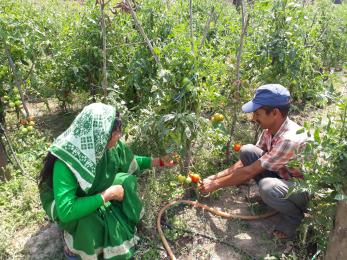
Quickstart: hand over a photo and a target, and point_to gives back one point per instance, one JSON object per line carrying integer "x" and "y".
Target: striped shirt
{"x": 280, "y": 148}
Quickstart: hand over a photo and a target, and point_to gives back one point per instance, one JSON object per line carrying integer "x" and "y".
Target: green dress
{"x": 90, "y": 227}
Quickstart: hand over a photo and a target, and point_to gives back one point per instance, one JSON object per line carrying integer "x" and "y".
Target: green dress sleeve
{"x": 143, "y": 162}
{"x": 69, "y": 206}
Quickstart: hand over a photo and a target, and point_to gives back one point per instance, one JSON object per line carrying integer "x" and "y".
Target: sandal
{"x": 69, "y": 255}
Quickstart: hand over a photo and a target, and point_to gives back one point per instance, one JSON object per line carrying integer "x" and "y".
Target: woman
{"x": 88, "y": 185}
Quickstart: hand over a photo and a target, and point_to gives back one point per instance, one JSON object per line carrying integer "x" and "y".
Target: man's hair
{"x": 283, "y": 109}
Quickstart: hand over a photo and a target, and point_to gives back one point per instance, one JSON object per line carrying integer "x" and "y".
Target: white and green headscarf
{"x": 84, "y": 143}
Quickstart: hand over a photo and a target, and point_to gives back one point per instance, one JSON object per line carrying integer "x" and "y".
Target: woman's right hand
{"x": 115, "y": 192}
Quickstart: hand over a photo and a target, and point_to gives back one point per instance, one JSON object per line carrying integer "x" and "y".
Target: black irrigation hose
{"x": 235, "y": 247}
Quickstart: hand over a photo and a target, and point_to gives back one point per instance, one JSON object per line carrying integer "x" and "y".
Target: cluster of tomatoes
{"x": 190, "y": 178}
{"x": 217, "y": 117}
{"x": 14, "y": 100}
{"x": 27, "y": 125}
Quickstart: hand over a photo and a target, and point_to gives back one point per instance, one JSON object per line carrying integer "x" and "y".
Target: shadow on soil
{"x": 46, "y": 243}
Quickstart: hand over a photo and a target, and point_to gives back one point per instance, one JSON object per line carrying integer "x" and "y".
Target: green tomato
{"x": 30, "y": 128}
{"x": 181, "y": 178}
{"x": 24, "y": 130}
{"x": 188, "y": 180}
{"x": 17, "y": 103}
{"x": 186, "y": 81}
{"x": 15, "y": 90}
{"x": 11, "y": 104}
{"x": 6, "y": 97}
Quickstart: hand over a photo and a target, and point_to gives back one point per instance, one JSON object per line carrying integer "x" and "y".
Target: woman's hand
{"x": 166, "y": 161}
{"x": 115, "y": 192}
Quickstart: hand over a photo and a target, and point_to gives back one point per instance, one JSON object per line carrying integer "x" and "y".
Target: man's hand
{"x": 115, "y": 192}
{"x": 208, "y": 185}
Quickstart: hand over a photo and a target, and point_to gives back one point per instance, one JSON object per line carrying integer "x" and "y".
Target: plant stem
{"x": 14, "y": 154}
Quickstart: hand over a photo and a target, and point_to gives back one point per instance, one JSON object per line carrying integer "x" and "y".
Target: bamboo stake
{"x": 191, "y": 24}
{"x": 245, "y": 22}
{"x": 17, "y": 79}
{"x": 142, "y": 32}
{"x": 104, "y": 54}
{"x": 207, "y": 28}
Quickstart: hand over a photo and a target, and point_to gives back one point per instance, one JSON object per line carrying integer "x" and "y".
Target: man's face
{"x": 264, "y": 120}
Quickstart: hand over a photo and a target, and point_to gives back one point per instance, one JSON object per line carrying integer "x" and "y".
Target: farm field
{"x": 178, "y": 71}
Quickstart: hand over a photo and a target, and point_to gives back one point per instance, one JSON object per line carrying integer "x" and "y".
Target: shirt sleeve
{"x": 281, "y": 152}
{"x": 69, "y": 206}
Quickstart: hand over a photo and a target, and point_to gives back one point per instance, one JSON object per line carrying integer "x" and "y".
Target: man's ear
{"x": 276, "y": 112}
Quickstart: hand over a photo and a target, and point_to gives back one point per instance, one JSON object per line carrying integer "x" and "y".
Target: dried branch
{"x": 142, "y": 32}
{"x": 207, "y": 27}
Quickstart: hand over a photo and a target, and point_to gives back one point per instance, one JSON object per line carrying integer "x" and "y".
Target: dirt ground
{"x": 206, "y": 236}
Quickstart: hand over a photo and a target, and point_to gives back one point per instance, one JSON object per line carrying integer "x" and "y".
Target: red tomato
{"x": 195, "y": 177}
{"x": 237, "y": 147}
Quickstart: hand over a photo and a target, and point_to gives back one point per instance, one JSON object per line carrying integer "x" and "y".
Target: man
{"x": 266, "y": 161}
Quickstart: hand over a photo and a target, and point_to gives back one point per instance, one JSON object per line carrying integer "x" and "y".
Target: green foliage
{"x": 324, "y": 162}
{"x": 19, "y": 200}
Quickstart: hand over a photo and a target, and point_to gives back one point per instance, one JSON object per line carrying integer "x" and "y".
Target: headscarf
{"x": 84, "y": 143}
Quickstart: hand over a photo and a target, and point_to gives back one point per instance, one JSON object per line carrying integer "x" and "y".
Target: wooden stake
{"x": 104, "y": 54}
{"x": 17, "y": 80}
{"x": 245, "y": 22}
{"x": 191, "y": 24}
{"x": 207, "y": 28}
{"x": 142, "y": 32}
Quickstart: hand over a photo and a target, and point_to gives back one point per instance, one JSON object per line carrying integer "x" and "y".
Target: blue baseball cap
{"x": 273, "y": 95}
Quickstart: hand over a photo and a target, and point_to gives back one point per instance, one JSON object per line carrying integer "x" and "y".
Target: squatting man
{"x": 266, "y": 161}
